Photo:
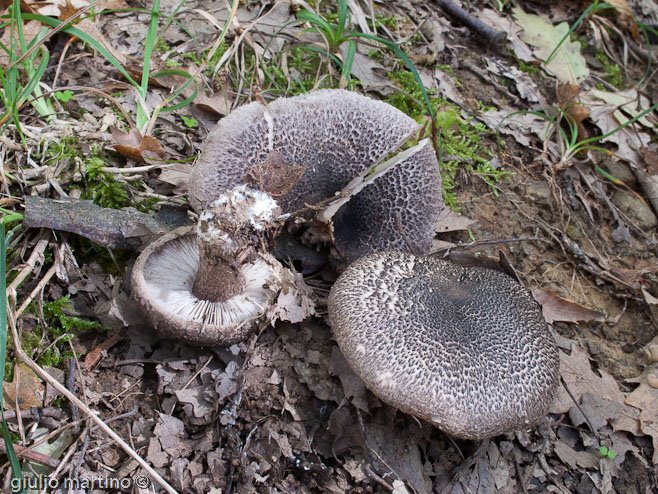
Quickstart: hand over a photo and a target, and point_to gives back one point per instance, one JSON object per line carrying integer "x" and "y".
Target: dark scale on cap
{"x": 465, "y": 348}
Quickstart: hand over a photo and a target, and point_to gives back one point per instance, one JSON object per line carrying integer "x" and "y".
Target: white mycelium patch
{"x": 247, "y": 206}
{"x": 170, "y": 273}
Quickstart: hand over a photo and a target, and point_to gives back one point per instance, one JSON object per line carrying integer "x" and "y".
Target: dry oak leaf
{"x": 26, "y": 390}
{"x": 555, "y": 308}
{"x": 577, "y": 373}
{"x": 218, "y": 103}
{"x": 567, "y": 63}
{"x": 645, "y": 398}
{"x": 608, "y": 111}
{"x": 133, "y": 146}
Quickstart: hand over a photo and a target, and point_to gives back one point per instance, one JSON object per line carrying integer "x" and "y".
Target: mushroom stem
{"x": 216, "y": 280}
{"x": 227, "y": 235}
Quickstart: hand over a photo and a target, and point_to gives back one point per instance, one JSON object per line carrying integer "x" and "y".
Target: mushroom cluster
{"x": 213, "y": 284}
{"x": 465, "y": 348}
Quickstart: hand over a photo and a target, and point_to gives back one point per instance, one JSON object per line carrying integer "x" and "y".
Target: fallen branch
{"x": 495, "y": 38}
{"x": 124, "y": 228}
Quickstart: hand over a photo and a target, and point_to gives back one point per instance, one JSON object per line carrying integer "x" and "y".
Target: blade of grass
{"x": 58, "y": 25}
{"x": 149, "y": 44}
{"x": 91, "y": 41}
{"x": 178, "y": 91}
{"x": 346, "y": 74}
{"x": 4, "y": 240}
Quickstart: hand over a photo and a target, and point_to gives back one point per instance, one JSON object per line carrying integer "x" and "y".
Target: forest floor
{"x": 281, "y": 412}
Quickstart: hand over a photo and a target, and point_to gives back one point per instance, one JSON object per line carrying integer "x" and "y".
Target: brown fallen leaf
{"x": 274, "y": 175}
{"x": 577, "y": 373}
{"x": 569, "y": 102}
{"x": 219, "y": 103}
{"x": 645, "y": 398}
{"x": 635, "y": 275}
{"x": 450, "y": 221}
{"x": 30, "y": 31}
{"x": 650, "y": 155}
{"x": 25, "y": 391}
{"x": 575, "y": 459}
{"x": 133, "y": 146}
{"x": 178, "y": 176}
{"x": 556, "y": 308}
{"x": 626, "y": 19}
{"x": 399, "y": 453}
{"x": 609, "y": 110}
{"x": 353, "y": 386}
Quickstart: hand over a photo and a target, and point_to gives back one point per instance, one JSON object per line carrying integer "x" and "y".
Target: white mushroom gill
{"x": 171, "y": 278}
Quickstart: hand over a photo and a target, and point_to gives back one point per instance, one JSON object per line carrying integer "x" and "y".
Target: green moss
{"x": 530, "y": 69}
{"x": 388, "y": 22}
{"x": 60, "y": 328}
{"x": 162, "y": 47}
{"x": 101, "y": 187}
{"x": 612, "y": 70}
{"x": 410, "y": 98}
{"x": 460, "y": 139}
{"x": 463, "y": 143}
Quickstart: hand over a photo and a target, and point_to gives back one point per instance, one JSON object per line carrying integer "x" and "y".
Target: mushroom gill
{"x": 211, "y": 285}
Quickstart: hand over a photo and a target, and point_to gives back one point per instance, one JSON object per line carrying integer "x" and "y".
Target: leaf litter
{"x": 283, "y": 413}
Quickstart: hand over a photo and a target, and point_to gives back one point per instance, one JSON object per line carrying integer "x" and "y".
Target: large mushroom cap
{"x": 326, "y": 138}
{"x": 465, "y": 348}
{"x": 162, "y": 281}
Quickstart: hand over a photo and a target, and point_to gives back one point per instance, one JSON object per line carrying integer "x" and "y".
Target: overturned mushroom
{"x": 305, "y": 149}
{"x": 212, "y": 285}
{"x": 465, "y": 348}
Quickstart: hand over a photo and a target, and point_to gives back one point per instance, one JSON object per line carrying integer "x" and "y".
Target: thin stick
{"x": 580, "y": 409}
{"x": 479, "y": 28}
{"x": 37, "y": 289}
{"x": 37, "y": 255}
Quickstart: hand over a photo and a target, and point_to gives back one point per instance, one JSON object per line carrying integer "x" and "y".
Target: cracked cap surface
{"x": 333, "y": 136}
{"x": 464, "y": 348}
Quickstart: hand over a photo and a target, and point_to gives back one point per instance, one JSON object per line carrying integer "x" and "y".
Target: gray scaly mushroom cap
{"x": 465, "y": 348}
{"x": 333, "y": 135}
